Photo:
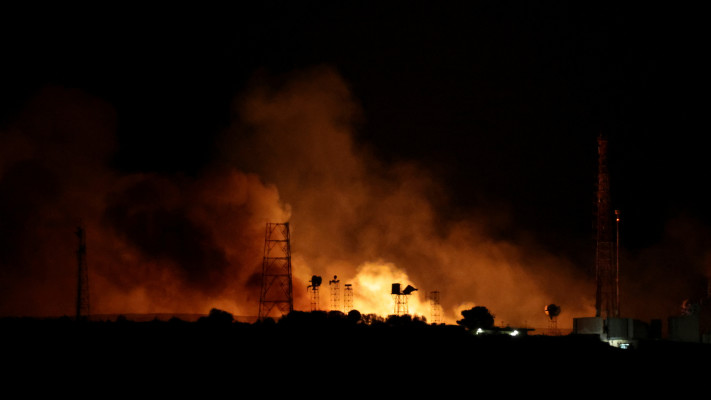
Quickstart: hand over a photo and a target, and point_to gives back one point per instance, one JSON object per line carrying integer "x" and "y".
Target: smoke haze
{"x": 155, "y": 243}
{"x": 162, "y": 242}
{"x": 354, "y": 216}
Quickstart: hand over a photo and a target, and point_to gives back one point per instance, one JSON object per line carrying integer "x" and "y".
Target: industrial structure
{"x": 401, "y": 298}
{"x": 335, "y": 293}
{"x": 82, "y": 277}
{"x": 347, "y": 297}
{"x": 552, "y": 311}
{"x": 313, "y": 288}
{"x": 276, "y": 289}
{"x": 435, "y": 307}
{"x": 694, "y": 322}
{"x": 607, "y": 323}
{"x": 607, "y": 288}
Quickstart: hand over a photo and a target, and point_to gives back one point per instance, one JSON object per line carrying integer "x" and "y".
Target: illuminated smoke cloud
{"x": 172, "y": 243}
{"x": 52, "y": 174}
{"x": 351, "y": 211}
{"x": 198, "y": 241}
{"x": 155, "y": 243}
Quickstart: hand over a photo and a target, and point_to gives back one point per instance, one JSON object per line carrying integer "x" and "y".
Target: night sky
{"x": 501, "y": 102}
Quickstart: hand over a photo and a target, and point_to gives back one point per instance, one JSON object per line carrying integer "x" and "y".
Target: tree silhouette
{"x": 217, "y": 316}
{"x": 354, "y": 316}
{"x": 477, "y": 317}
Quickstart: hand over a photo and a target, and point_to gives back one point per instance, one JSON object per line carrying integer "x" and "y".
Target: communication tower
{"x": 606, "y": 300}
{"x": 82, "y": 277}
{"x": 313, "y": 288}
{"x": 276, "y": 272}
{"x": 348, "y": 297}
{"x": 435, "y": 307}
{"x": 335, "y": 293}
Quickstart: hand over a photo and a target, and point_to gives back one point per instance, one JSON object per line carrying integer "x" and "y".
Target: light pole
{"x": 617, "y": 264}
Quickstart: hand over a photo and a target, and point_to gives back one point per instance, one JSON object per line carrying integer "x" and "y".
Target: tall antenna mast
{"x": 276, "y": 272}
{"x": 606, "y": 305}
{"x": 82, "y": 277}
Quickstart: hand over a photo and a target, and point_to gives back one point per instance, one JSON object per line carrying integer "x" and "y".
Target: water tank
{"x": 552, "y": 311}
{"x": 409, "y": 289}
{"x": 396, "y": 288}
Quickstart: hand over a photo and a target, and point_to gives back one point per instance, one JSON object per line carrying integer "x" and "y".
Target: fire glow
{"x": 173, "y": 243}
{"x": 373, "y": 283}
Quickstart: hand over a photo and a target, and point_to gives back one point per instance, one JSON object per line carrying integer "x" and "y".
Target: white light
{"x": 514, "y": 333}
{"x": 478, "y": 331}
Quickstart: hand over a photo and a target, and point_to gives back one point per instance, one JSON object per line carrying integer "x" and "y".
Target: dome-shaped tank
{"x": 552, "y": 311}
{"x": 316, "y": 281}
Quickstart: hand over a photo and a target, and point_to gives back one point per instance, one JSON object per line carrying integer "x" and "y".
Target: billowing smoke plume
{"x": 155, "y": 243}
{"x": 367, "y": 221}
{"x": 184, "y": 244}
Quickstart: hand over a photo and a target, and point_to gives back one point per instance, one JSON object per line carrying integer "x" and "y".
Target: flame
{"x": 372, "y": 290}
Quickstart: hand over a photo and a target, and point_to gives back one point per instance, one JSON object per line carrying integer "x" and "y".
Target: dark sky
{"x": 503, "y": 101}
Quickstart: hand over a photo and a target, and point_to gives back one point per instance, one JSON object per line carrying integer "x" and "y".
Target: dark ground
{"x": 321, "y": 354}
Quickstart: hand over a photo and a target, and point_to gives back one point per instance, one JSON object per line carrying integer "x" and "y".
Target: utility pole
{"x": 82, "y": 277}
{"x": 617, "y": 263}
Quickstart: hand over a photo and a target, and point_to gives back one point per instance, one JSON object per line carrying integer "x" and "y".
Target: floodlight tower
{"x": 348, "y": 297}
{"x": 313, "y": 287}
{"x": 82, "y": 277}
{"x": 335, "y": 293}
{"x": 435, "y": 307}
{"x": 276, "y": 272}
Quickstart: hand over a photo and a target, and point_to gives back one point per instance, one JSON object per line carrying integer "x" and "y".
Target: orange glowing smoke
{"x": 155, "y": 242}
{"x": 169, "y": 243}
{"x": 374, "y": 224}
{"x": 372, "y": 286}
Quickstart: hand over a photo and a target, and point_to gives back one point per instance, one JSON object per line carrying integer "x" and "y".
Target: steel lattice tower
{"x": 553, "y": 326}
{"x": 606, "y": 303}
{"x": 335, "y": 293}
{"x": 314, "y": 298}
{"x": 313, "y": 288}
{"x": 348, "y": 297}
{"x": 401, "y": 306}
{"x": 82, "y": 277}
{"x": 401, "y": 298}
{"x": 276, "y": 272}
{"x": 435, "y": 307}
